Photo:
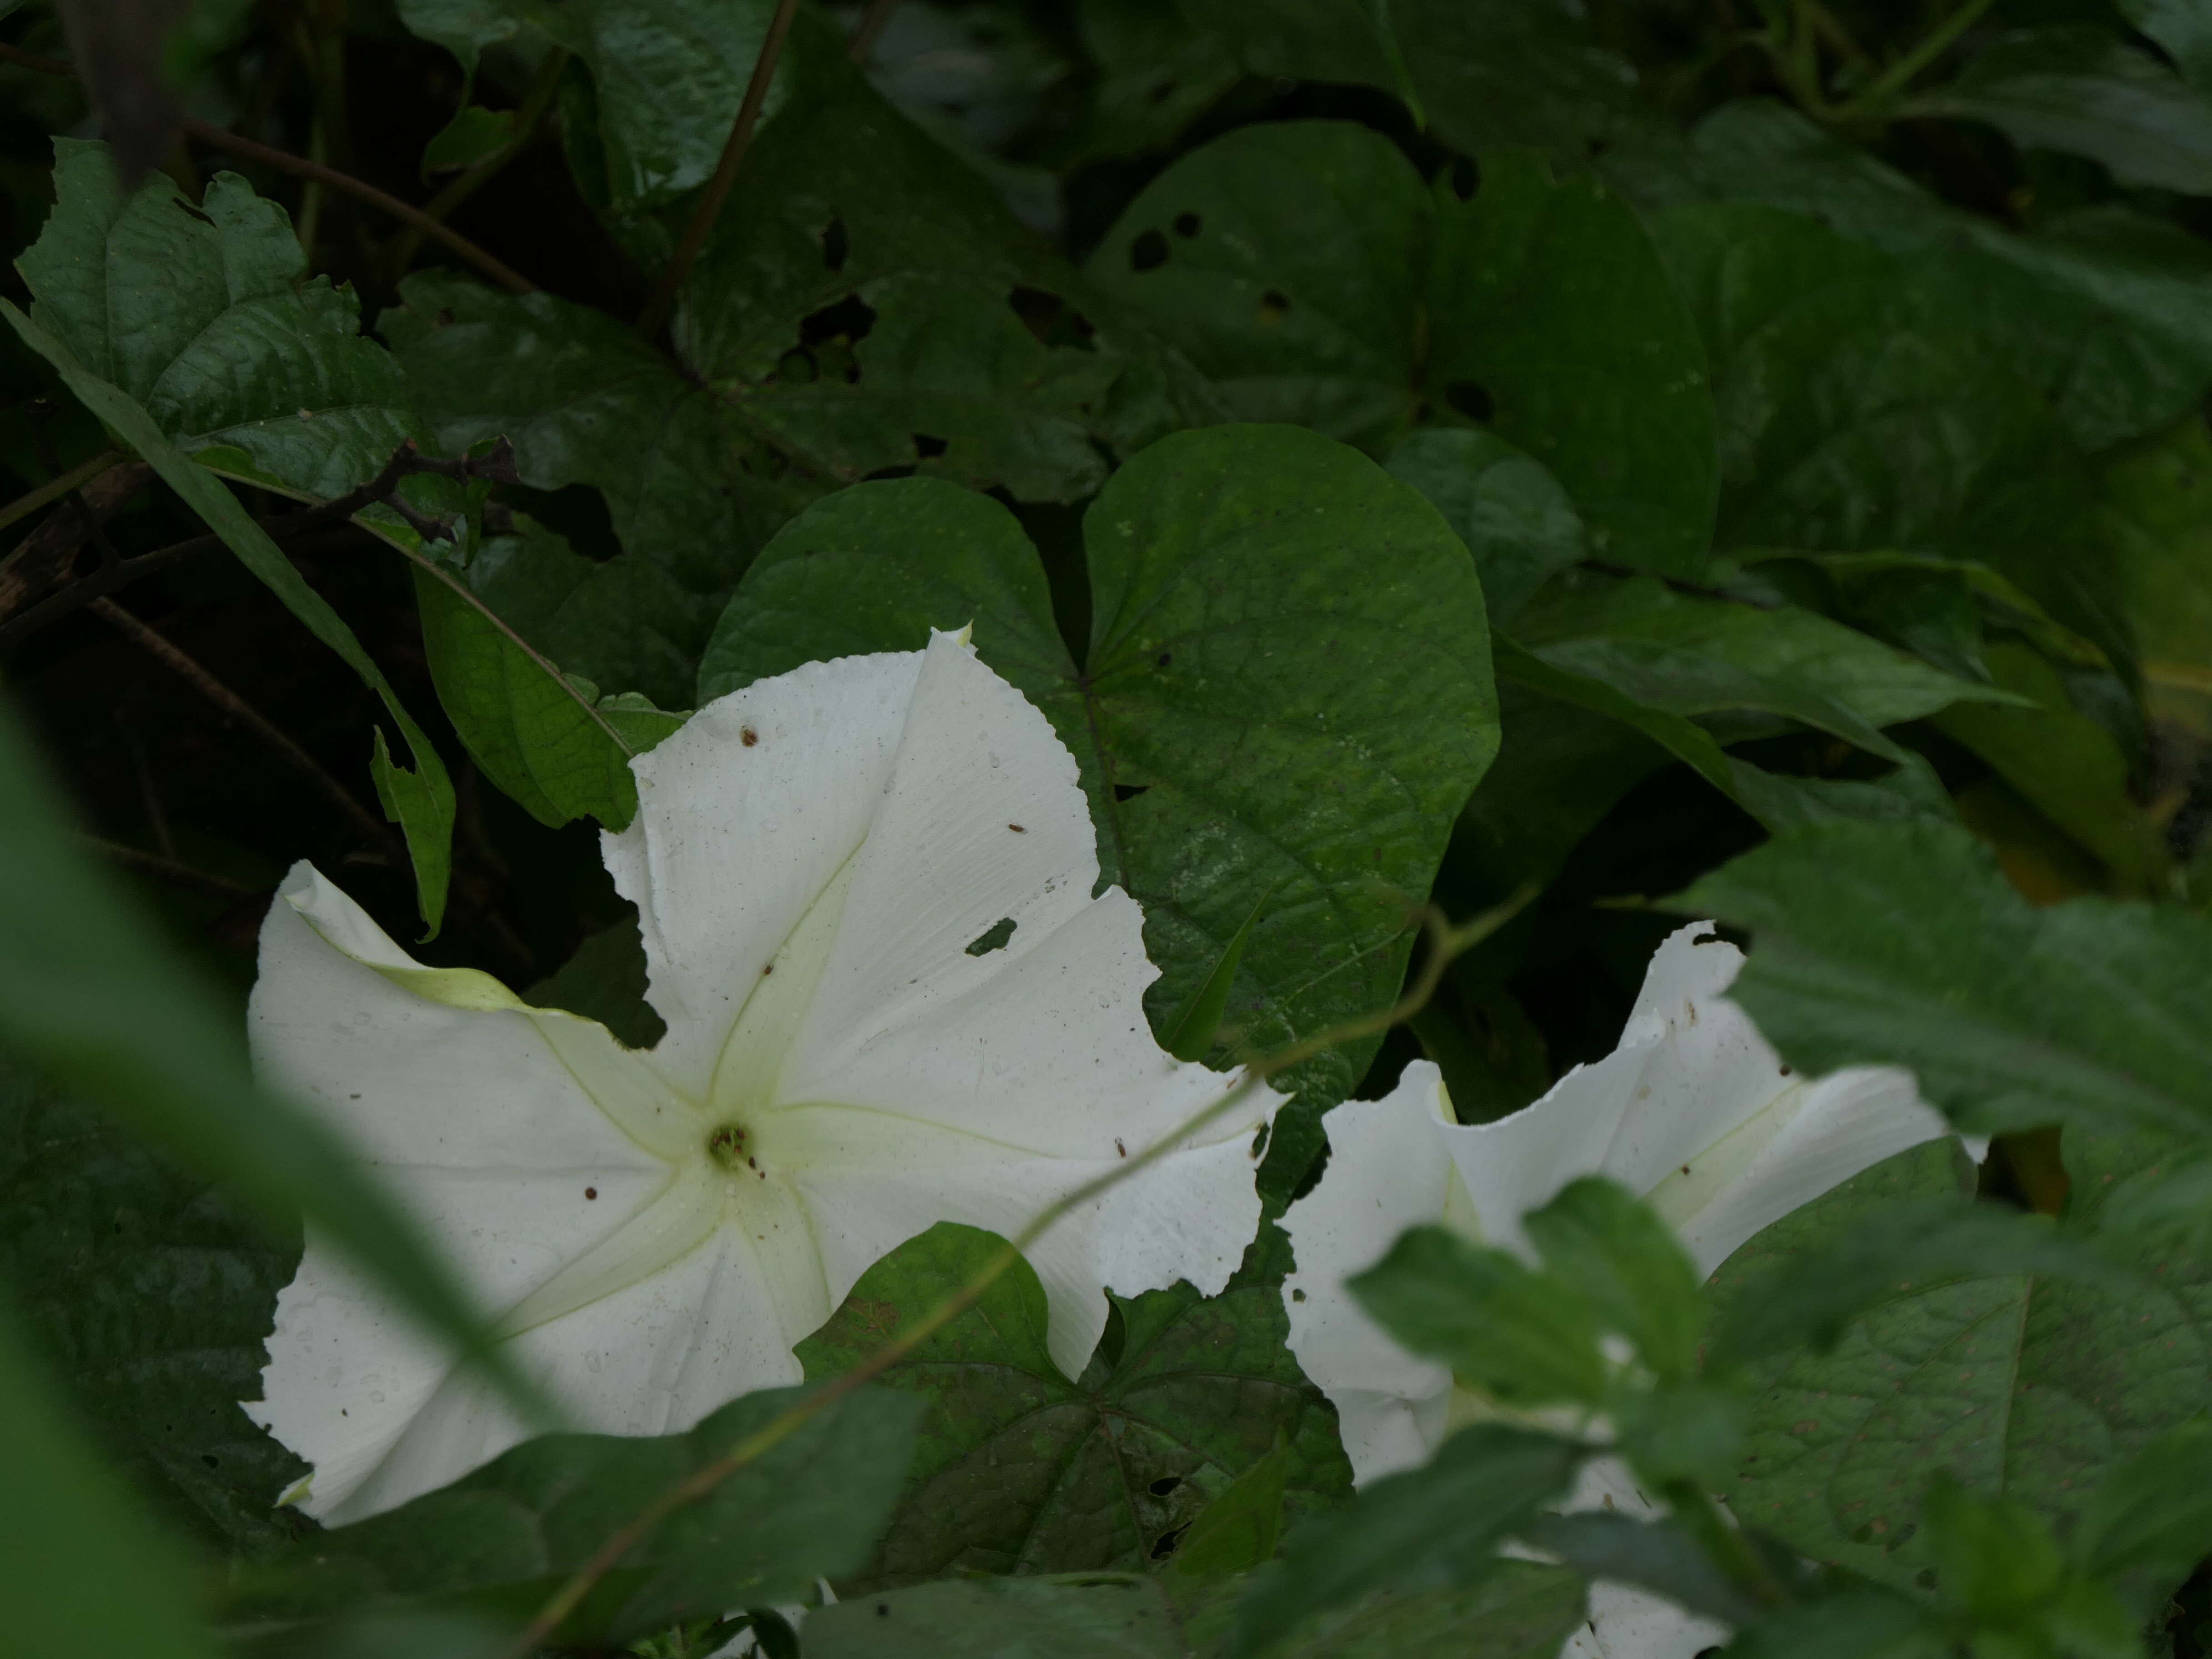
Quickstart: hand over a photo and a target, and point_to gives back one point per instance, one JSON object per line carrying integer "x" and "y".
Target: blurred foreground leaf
{"x": 89, "y": 997}
{"x": 81, "y": 1571}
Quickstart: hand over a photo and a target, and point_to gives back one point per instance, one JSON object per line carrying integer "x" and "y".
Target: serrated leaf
{"x": 70, "y": 1533}
{"x": 204, "y": 315}
{"x": 1287, "y": 697}
{"x": 150, "y": 1293}
{"x": 585, "y": 401}
{"x": 501, "y": 1540}
{"x": 421, "y": 801}
{"x": 1019, "y": 1469}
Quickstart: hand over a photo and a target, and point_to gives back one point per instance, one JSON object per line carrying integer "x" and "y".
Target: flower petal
{"x": 1689, "y": 1069}
{"x": 653, "y": 1358}
{"x": 744, "y": 817}
{"x": 983, "y": 820}
{"x": 946, "y": 1085}
{"x": 1812, "y": 1137}
{"x": 462, "y": 1094}
{"x": 498, "y": 1138}
{"x": 1386, "y": 1172}
{"x": 1625, "y": 1622}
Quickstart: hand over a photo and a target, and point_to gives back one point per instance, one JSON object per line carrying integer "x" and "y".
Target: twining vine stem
{"x": 1446, "y": 940}
{"x": 299, "y": 167}
{"x": 654, "y": 317}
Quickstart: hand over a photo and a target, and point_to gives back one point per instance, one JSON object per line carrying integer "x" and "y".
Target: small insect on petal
{"x": 1017, "y": 829}
{"x": 1119, "y": 1147}
{"x": 747, "y": 736}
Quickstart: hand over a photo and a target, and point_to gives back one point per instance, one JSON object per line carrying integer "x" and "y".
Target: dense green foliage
{"x": 1616, "y": 461}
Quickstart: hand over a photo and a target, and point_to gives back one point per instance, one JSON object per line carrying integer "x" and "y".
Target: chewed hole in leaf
{"x": 993, "y": 937}
{"x": 1129, "y": 791}
{"x": 1469, "y": 399}
{"x": 1050, "y": 319}
{"x": 836, "y": 243}
{"x": 848, "y": 320}
{"x": 1274, "y": 305}
{"x": 1165, "y": 1545}
{"x": 1187, "y": 224}
{"x": 1148, "y": 252}
{"x": 926, "y": 446}
{"x": 1164, "y": 1484}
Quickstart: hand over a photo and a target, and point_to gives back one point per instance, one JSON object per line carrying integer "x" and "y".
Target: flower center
{"x": 729, "y": 1146}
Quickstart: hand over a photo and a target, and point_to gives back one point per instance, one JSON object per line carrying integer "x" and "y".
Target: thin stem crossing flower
{"x": 865, "y": 889}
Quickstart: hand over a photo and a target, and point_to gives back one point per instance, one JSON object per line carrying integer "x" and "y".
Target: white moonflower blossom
{"x": 1693, "y": 1110}
{"x": 812, "y": 858}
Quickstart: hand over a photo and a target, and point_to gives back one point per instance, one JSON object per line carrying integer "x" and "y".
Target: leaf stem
{"x": 238, "y": 144}
{"x": 171, "y": 871}
{"x": 1447, "y": 942}
{"x": 54, "y": 489}
{"x": 299, "y": 166}
{"x": 188, "y": 669}
{"x": 654, "y": 317}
